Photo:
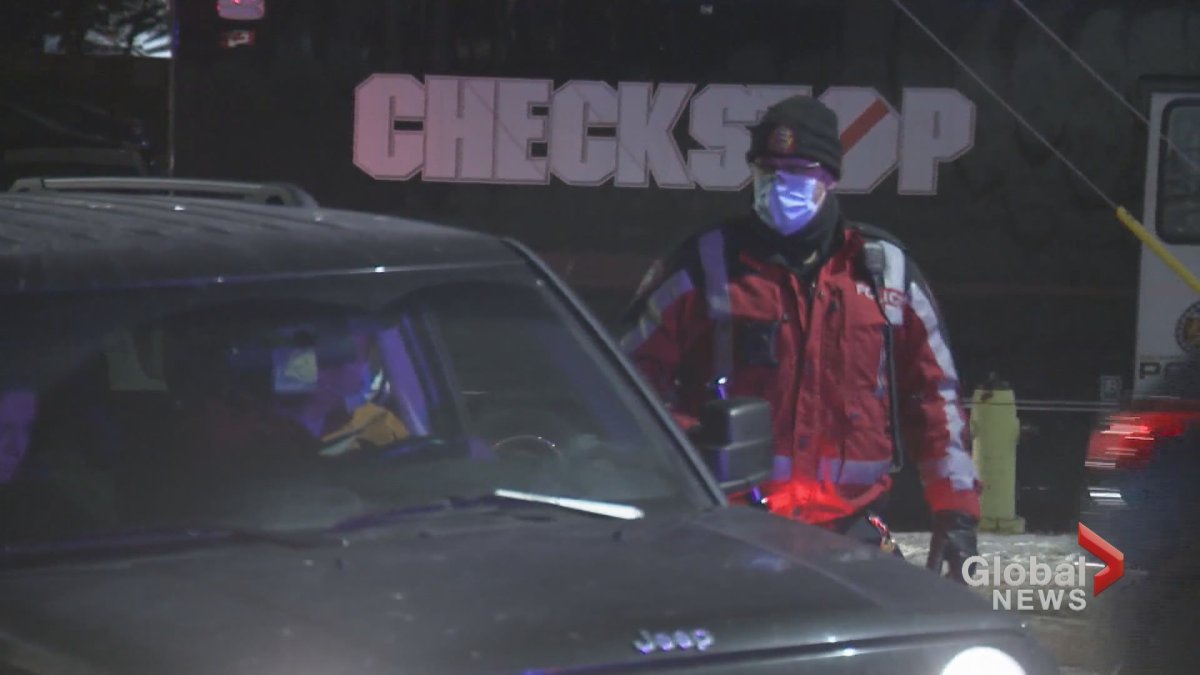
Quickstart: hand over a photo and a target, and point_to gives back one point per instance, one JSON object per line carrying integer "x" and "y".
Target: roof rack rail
{"x": 284, "y": 194}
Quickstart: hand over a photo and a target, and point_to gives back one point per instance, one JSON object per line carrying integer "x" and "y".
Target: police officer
{"x": 832, "y": 324}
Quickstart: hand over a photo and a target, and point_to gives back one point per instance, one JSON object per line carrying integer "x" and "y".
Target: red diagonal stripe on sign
{"x": 873, "y": 115}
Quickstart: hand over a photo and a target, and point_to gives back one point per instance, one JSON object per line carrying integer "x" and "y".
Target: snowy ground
{"x": 1049, "y": 548}
{"x": 1076, "y": 638}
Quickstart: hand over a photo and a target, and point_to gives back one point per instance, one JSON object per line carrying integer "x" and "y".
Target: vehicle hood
{"x": 469, "y": 592}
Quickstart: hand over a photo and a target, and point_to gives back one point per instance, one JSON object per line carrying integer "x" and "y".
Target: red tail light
{"x": 1127, "y": 440}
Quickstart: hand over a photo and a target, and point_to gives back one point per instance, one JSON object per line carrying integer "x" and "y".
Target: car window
{"x": 1179, "y": 180}
{"x": 292, "y": 406}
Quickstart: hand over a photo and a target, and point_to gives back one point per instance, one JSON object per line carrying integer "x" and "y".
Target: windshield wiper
{"x": 498, "y": 496}
{"x": 622, "y": 511}
{"x": 148, "y": 542}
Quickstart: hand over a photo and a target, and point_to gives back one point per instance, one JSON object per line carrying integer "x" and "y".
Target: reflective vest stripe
{"x": 956, "y": 464}
{"x": 852, "y": 471}
{"x": 782, "y": 468}
{"x": 671, "y": 290}
{"x": 720, "y": 311}
{"x": 837, "y": 471}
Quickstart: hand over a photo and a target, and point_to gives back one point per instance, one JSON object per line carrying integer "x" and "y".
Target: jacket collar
{"x": 761, "y": 253}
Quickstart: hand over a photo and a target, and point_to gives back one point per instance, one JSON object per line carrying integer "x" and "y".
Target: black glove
{"x": 953, "y": 541}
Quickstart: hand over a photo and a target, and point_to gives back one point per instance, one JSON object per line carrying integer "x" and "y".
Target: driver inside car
{"x": 337, "y": 406}
{"x": 297, "y": 392}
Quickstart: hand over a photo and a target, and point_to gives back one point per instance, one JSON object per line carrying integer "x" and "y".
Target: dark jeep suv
{"x": 246, "y": 434}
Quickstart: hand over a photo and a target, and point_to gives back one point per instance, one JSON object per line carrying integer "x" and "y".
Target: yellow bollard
{"x": 994, "y": 432}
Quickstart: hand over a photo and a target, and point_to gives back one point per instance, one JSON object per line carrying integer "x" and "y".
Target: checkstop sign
{"x": 1113, "y": 559}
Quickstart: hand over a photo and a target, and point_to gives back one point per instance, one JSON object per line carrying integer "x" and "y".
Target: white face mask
{"x": 787, "y": 201}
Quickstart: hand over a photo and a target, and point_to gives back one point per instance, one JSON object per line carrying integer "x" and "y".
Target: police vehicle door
{"x": 1168, "y": 326}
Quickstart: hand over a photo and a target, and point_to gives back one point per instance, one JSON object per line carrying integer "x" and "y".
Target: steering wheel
{"x": 525, "y": 432}
{"x": 526, "y": 445}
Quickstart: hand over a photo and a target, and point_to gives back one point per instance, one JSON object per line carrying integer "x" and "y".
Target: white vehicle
{"x": 1168, "y": 328}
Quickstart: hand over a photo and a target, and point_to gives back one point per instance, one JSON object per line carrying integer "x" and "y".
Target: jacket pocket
{"x": 867, "y": 428}
{"x": 864, "y": 361}
{"x": 756, "y": 342}
{"x": 758, "y": 351}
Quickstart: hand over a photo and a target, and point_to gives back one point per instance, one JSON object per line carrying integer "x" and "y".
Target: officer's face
{"x": 788, "y": 192}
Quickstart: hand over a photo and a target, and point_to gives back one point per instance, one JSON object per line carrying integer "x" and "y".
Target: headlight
{"x": 981, "y": 660}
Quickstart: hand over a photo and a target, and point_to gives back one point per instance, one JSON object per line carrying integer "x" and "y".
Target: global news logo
{"x": 1038, "y": 585}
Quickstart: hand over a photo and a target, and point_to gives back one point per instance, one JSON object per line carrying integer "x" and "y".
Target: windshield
{"x": 298, "y": 405}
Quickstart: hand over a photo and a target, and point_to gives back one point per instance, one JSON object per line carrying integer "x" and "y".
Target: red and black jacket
{"x": 725, "y": 304}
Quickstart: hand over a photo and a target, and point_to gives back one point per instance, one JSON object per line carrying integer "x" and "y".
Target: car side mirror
{"x": 736, "y": 440}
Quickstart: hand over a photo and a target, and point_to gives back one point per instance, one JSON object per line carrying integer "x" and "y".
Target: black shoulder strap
{"x": 874, "y": 233}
